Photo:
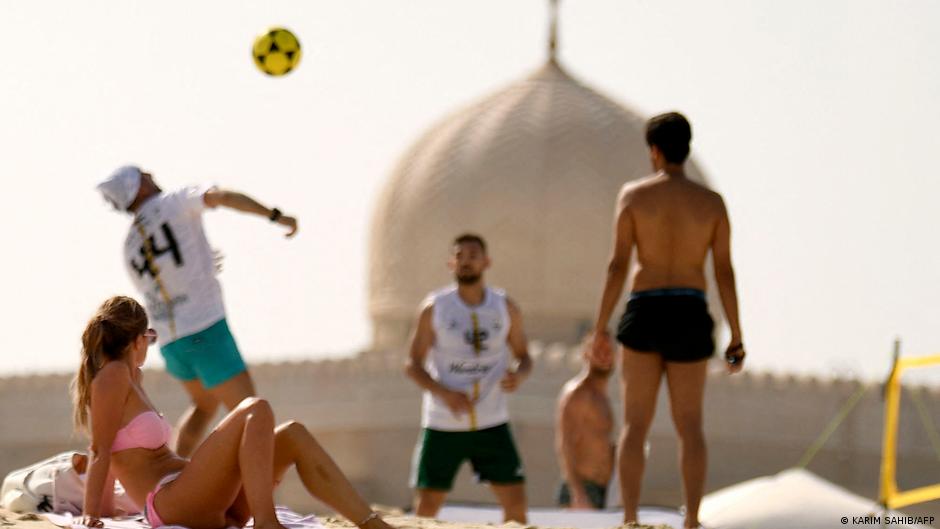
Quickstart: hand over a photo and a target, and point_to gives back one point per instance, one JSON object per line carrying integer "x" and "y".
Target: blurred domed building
{"x": 535, "y": 169}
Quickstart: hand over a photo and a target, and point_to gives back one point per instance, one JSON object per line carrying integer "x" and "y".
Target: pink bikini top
{"x": 147, "y": 430}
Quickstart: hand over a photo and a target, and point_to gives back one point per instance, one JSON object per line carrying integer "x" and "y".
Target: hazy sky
{"x": 817, "y": 120}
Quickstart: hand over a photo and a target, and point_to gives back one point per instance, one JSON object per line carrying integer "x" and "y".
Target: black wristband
{"x": 275, "y": 215}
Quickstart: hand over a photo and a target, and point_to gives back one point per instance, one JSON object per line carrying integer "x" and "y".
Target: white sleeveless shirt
{"x": 470, "y": 355}
{"x": 170, "y": 262}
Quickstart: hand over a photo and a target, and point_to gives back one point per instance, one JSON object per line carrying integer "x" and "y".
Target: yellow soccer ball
{"x": 276, "y": 52}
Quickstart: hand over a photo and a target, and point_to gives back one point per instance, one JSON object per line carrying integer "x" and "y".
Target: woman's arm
{"x": 107, "y": 497}
{"x": 109, "y": 392}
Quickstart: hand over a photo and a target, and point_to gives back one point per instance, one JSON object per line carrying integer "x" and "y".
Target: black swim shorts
{"x": 673, "y": 322}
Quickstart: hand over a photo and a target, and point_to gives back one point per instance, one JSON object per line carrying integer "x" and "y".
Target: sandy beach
{"x": 24, "y": 521}
{"x": 396, "y": 518}
{"x": 410, "y": 522}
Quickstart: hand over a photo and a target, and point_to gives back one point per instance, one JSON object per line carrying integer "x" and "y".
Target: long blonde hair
{"x": 116, "y": 324}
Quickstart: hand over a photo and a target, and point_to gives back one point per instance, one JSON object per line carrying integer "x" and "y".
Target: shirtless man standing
{"x": 583, "y": 438}
{"x": 673, "y": 223}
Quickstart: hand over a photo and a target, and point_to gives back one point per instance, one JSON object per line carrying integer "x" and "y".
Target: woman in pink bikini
{"x": 231, "y": 476}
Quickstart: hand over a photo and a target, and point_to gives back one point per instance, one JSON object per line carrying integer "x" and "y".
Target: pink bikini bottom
{"x": 150, "y": 513}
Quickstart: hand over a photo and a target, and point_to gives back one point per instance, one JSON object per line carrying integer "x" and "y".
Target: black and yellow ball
{"x": 276, "y": 52}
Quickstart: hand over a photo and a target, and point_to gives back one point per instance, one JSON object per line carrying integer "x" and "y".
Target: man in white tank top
{"x": 467, "y": 338}
{"x": 170, "y": 262}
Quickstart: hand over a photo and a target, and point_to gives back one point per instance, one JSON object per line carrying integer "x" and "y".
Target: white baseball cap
{"x": 120, "y": 189}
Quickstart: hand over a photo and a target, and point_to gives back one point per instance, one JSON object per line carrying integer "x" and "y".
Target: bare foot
{"x": 274, "y": 524}
{"x": 376, "y": 523}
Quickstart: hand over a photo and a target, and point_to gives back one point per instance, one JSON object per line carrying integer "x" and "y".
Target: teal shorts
{"x": 491, "y": 452}
{"x": 209, "y": 355}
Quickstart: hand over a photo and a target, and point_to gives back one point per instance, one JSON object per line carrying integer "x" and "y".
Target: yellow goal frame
{"x": 890, "y": 496}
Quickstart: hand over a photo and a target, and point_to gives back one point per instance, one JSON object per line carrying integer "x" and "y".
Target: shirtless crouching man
{"x": 583, "y": 438}
{"x": 666, "y": 328}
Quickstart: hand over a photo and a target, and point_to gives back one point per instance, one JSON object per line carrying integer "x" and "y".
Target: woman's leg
{"x": 238, "y": 453}
{"x": 294, "y": 444}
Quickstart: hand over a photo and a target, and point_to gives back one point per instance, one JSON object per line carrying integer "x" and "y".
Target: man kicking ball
{"x": 173, "y": 267}
{"x": 466, "y": 337}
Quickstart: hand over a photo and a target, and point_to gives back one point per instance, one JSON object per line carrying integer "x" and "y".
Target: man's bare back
{"x": 591, "y": 415}
{"x": 674, "y": 224}
{"x": 583, "y": 439}
{"x": 666, "y": 329}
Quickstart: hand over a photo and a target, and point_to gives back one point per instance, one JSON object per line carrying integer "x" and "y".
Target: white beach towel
{"x": 287, "y": 517}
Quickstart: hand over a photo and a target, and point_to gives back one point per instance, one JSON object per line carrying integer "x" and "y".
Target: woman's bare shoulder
{"x": 113, "y": 376}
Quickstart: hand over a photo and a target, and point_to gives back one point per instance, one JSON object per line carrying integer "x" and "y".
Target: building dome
{"x": 535, "y": 169}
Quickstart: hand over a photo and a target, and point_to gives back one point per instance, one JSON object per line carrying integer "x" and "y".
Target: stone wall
{"x": 366, "y": 413}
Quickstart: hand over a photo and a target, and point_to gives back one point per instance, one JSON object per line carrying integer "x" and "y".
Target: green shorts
{"x": 491, "y": 451}
{"x": 209, "y": 355}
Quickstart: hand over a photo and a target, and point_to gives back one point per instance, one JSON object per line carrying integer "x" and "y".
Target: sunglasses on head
{"x": 151, "y": 336}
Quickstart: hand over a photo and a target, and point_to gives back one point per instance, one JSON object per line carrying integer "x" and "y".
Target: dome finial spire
{"x": 553, "y": 29}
